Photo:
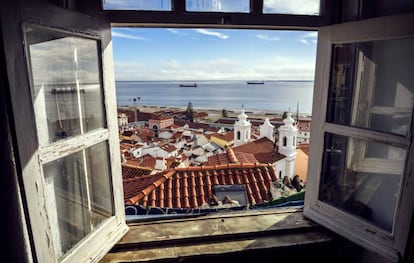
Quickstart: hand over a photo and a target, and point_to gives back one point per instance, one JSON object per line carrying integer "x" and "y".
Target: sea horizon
{"x": 271, "y": 96}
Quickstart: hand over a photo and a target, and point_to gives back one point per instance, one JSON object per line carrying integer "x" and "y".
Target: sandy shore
{"x": 214, "y": 114}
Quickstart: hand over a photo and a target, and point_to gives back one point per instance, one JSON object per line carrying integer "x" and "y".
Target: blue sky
{"x": 213, "y": 54}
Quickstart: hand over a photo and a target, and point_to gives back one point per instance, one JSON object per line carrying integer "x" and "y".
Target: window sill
{"x": 218, "y": 234}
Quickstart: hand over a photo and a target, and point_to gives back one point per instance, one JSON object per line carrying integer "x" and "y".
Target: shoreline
{"x": 216, "y": 113}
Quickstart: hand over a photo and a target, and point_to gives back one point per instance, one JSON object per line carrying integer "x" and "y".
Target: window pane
{"x": 372, "y": 85}
{"x": 293, "y": 7}
{"x": 67, "y": 94}
{"x": 149, "y": 5}
{"x": 218, "y": 6}
{"x": 362, "y": 177}
{"x": 79, "y": 195}
{"x": 99, "y": 178}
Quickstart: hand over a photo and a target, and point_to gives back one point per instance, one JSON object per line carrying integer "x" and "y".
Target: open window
{"x": 360, "y": 166}
{"x": 71, "y": 168}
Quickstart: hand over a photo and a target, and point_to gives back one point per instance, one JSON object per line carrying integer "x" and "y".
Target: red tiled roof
{"x": 132, "y": 171}
{"x": 168, "y": 148}
{"x": 145, "y": 116}
{"x": 128, "y": 113}
{"x": 229, "y": 136}
{"x": 226, "y": 121}
{"x": 192, "y": 125}
{"x": 304, "y": 125}
{"x": 201, "y": 114}
{"x": 137, "y": 188}
{"x": 263, "y": 150}
{"x": 146, "y": 162}
{"x": 192, "y": 186}
{"x": 304, "y": 147}
{"x": 301, "y": 164}
{"x": 159, "y": 117}
{"x": 146, "y": 135}
{"x": 231, "y": 156}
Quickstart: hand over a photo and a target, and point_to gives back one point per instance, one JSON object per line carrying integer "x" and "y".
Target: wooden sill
{"x": 217, "y": 234}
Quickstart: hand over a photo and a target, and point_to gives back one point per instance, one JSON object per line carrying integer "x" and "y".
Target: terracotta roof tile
{"x": 263, "y": 150}
{"x": 190, "y": 187}
{"x": 231, "y": 156}
{"x": 229, "y": 136}
{"x": 168, "y": 148}
{"x": 304, "y": 147}
{"x": 133, "y": 171}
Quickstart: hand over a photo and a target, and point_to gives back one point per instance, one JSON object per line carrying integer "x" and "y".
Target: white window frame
{"x": 391, "y": 245}
{"x": 97, "y": 243}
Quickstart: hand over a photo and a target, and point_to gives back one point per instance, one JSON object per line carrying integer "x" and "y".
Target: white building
{"x": 242, "y": 129}
{"x": 304, "y": 128}
{"x": 267, "y": 130}
{"x": 287, "y": 144}
{"x": 122, "y": 120}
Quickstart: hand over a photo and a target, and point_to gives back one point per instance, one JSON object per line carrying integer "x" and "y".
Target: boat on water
{"x": 255, "y": 82}
{"x": 189, "y": 85}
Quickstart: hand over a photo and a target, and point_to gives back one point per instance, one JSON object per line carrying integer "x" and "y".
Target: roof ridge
{"x": 220, "y": 166}
{"x": 232, "y": 156}
{"x": 130, "y": 166}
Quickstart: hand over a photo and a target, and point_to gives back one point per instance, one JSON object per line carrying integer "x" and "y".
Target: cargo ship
{"x": 190, "y": 85}
{"x": 255, "y": 82}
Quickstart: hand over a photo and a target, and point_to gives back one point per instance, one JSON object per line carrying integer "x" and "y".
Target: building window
{"x": 284, "y": 141}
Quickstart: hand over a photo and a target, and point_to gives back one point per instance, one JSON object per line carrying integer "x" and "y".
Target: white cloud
{"x": 312, "y": 34}
{"x": 127, "y": 36}
{"x": 309, "y": 37}
{"x": 267, "y": 38}
{"x": 212, "y": 33}
{"x": 306, "y": 7}
{"x": 173, "y": 64}
{"x": 175, "y": 31}
{"x": 220, "y": 68}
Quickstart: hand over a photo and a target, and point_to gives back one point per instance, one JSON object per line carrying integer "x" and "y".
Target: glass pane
{"x": 99, "y": 178}
{"x": 79, "y": 195}
{"x": 362, "y": 178}
{"x": 241, "y": 6}
{"x": 372, "y": 85}
{"x": 149, "y": 5}
{"x": 67, "y": 94}
{"x": 292, "y": 7}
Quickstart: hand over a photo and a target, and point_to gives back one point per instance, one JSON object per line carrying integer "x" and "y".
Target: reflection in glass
{"x": 78, "y": 195}
{"x": 241, "y": 6}
{"x": 372, "y": 85}
{"x": 362, "y": 177}
{"x": 148, "y": 5}
{"x": 292, "y": 7}
{"x": 67, "y": 93}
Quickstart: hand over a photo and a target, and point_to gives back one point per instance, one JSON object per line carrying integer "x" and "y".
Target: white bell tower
{"x": 287, "y": 143}
{"x": 242, "y": 129}
{"x": 267, "y": 130}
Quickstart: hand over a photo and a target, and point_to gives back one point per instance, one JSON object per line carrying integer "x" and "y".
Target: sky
{"x": 213, "y": 54}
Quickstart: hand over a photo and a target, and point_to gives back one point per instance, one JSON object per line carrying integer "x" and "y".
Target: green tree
{"x": 189, "y": 112}
{"x": 224, "y": 113}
